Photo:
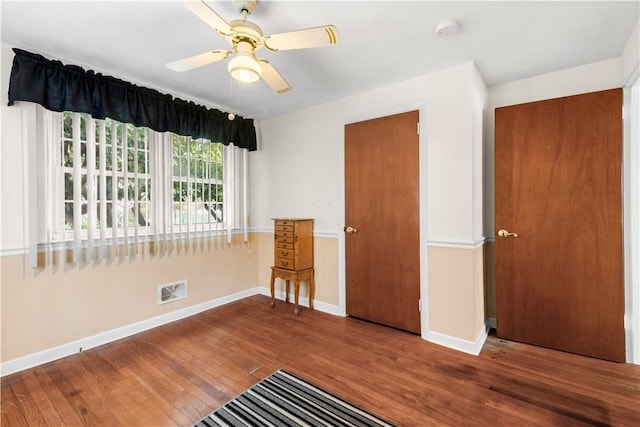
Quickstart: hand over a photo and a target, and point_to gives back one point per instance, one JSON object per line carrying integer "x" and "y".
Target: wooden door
{"x": 560, "y": 282}
{"x": 382, "y": 208}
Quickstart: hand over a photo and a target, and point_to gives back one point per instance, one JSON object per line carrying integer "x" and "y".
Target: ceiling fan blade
{"x": 197, "y": 60}
{"x": 273, "y": 78}
{"x": 301, "y": 39}
{"x": 208, "y": 15}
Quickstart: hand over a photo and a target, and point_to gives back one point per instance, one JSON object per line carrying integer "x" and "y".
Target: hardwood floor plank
{"x": 137, "y": 387}
{"x": 67, "y": 376}
{"x": 180, "y": 372}
{"x": 25, "y": 402}
{"x": 10, "y": 412}
{"x": 552, "y": 385}
{"x": 68, "y": 413}
{"x": 39, "y": 407}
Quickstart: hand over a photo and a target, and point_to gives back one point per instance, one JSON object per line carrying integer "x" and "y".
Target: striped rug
{"x": 283, "y": 399}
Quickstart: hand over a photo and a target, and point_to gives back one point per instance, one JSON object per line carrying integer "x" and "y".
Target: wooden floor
{"x": 178, "y": 373}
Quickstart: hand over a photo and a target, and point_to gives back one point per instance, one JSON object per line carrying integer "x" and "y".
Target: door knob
{"x": 505, "y": 233}
{"x": 350, "y": 230}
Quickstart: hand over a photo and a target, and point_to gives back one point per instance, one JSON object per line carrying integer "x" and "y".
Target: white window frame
{"x": 58, "y": 224}
{"x": 47, "y": 195}
{"x": 191, "y": 180}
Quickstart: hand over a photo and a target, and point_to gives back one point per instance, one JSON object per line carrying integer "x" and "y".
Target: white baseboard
{"x": 460, "y": 344}
{"x": 68, "y": 349}
{"x": 303, "y": 301}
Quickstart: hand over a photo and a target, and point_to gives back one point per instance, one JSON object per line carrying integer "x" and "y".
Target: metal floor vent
{"x": 172, "y": 292}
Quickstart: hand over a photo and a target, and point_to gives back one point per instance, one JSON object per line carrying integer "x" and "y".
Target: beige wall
{"x": 48, "y": 307}
{"x": 58, "y": 304}
{"x": 456, "y": 281}
{"x": 490, "y": 279}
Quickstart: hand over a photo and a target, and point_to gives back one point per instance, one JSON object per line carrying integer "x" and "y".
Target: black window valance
{"x": 59, "y": 87}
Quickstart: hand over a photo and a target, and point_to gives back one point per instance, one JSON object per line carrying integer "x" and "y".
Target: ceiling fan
{"x": 245, "y": 38}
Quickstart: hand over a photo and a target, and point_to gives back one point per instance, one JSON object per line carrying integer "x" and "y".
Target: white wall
{"x": 631, "y": 56}
{"x": 5, "y": 70}
{"x": 12, "y": 184}
{"x": 632, "y": 222}
{"x": 630, "y": 76}
{"x": 304, "y": 153}
{"x": 479, "y": 112}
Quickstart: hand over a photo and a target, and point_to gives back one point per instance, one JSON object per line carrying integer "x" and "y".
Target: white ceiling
{"x": 381, "y": 42}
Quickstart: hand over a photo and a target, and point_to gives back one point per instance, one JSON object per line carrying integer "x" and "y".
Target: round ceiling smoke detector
{"x": 447, "y": 28}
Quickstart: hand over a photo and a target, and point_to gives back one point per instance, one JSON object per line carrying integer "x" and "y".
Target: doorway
{"x": 559, "y": 250}
{"x": 382, "y": 221}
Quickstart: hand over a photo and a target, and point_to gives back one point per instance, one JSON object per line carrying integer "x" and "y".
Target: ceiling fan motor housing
{"x": 245, "y": 31}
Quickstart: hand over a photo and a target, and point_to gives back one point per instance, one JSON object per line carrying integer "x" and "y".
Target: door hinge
{"x": 419, "y": 305}
{"x": 418, "y": 127}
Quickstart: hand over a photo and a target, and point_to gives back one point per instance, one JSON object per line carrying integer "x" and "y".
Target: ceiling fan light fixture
{"x": 246, "y": 37}
{"x": 244, "y": 68}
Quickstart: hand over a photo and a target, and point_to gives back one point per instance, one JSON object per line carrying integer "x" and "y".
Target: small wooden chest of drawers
{"x": 293, "y": 256}
{"x": 293, "y": 248}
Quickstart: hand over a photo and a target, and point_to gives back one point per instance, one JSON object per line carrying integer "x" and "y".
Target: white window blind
{"x": 109, "y": 189}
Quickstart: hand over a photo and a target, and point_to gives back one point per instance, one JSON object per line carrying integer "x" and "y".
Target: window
{"x": 113, "y": 185}
{"x": 197, "y": 181}
{"x": 112, "y": 173}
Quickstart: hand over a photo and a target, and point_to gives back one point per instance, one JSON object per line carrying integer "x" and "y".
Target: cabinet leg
{"x": 286, "y": 290}
{"x": 296, "y": 294}
{"x": 272, "y": 287}
{"x": 312, "y": 289}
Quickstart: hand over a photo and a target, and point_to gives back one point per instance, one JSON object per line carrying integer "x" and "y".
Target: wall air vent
{"x": 172, "y": 292}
